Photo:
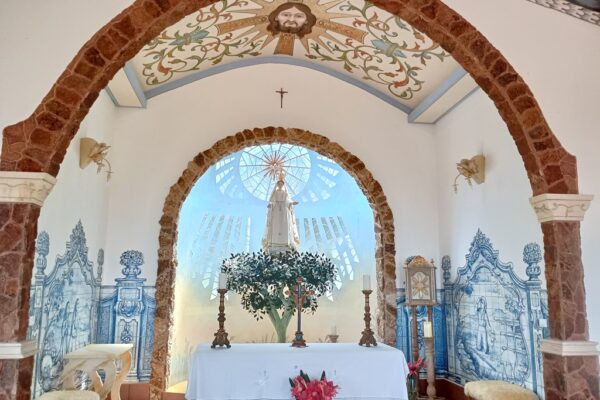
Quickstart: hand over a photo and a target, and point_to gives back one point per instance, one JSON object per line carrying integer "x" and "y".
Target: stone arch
{"x": 167, "y": 260}
{"x": 39, "y": 144}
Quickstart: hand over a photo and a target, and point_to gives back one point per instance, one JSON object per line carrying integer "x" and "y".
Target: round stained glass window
{"x": 253, "y": 171}
{"x": 260, "y": 165}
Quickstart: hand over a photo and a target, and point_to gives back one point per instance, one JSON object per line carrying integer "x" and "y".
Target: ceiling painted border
{"x": 126, "y": 91}
{"x": 571, "y": 9}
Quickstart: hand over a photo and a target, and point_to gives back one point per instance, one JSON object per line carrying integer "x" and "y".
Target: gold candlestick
{"x": 367, "y": 338}
{"x": 221, "y": 336}
{"x": 300, "y": 295}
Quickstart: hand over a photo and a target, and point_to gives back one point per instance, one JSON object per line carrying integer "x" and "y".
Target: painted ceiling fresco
{"x": 350, "y": 37}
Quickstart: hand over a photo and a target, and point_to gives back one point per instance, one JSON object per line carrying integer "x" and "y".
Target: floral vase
{"x": 411, "y": 386}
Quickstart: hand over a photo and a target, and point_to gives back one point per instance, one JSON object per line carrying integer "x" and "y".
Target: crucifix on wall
{"x": 281, "y": 93}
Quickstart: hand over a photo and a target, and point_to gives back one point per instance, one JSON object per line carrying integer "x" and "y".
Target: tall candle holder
{"x": 368, "y": 337}
{"x": 221, "y": 335}
{"x": 430, "y": 356}
{"x": 300, "y": 295}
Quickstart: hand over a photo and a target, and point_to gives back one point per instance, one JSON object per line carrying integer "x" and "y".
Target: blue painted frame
{"x": 64, "y": 307}
{"x": 69, "y": 309}
{"x": 495, "y": 320}
{"x": 530, "y": 323}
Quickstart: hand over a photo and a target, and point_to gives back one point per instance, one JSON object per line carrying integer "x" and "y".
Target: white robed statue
{"x": 281, "y": 232}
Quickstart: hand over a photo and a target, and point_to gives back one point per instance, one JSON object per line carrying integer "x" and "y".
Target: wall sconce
{"x": 473, "y": 168}
{"x": 92, "y": 151}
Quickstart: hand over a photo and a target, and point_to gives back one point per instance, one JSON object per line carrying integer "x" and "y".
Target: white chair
{"x": 70, "y": 395}
{"x": 497, "y": 390}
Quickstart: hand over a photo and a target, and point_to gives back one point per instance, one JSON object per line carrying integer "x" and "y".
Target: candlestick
{"x": 366, "y": 282}
{"x": 300, "y": 295}
{"x": 430, "y": 357}
{"x": 221, "y": 336}
{"x": 368, "y": 337}
{"x": 222, "y": 280}
{"x": 334, "y": 330}
{"x": 427, "y": 329}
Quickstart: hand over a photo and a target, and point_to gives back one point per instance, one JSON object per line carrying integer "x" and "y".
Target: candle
{"x": 427, "y": 329}
{"x": 333, "y": 330}
{"x": 222, "y": 280}
{"x": 366, "y": 282}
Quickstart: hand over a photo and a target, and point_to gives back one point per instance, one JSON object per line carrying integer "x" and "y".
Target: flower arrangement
{"x": 413, "y": 376}
{"x": 303, "y": 388}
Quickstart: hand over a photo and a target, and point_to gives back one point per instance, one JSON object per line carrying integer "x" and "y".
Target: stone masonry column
{"x": 570, "y": 359}
{"x": 21, "y": 197}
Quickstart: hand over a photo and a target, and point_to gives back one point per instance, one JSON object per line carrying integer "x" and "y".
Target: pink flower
{"x": 415, "y": 366}
{"x": 303, "y": 388}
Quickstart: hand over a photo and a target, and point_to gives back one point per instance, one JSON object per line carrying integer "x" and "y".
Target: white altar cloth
{"x": 261, "y": 371}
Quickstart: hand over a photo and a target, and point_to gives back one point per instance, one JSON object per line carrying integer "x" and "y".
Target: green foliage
{"x": 261, "y": 279}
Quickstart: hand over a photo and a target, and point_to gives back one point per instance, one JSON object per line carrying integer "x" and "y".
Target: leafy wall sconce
{"x": 92, "y": 151}
{"x": 471, "y": 169}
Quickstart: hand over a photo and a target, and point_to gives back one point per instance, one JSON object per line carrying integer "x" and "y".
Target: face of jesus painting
{"x": 295, "y": 18}
{"x": 291, "y": 20}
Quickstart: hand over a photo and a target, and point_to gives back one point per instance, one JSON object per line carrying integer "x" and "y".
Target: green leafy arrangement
{"x": 264, "y": 281}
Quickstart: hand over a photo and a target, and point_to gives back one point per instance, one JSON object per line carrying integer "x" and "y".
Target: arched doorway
{"x": 167, "y": 262}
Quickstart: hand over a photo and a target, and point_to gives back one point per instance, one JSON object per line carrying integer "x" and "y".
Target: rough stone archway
{"x": 167, "y": 260}
{"x": 39, "y": 144}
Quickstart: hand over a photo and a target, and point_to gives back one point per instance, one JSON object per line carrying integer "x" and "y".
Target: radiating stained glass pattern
{"x": 253, "y": 172}
{"x": 260, "y": 167}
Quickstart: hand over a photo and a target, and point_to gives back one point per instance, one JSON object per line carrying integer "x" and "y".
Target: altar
{"x": 261, "y": 371}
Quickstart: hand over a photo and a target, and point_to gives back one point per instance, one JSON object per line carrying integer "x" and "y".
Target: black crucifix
{"x": 281, "y": 93}
{"x": 300, "y": 295}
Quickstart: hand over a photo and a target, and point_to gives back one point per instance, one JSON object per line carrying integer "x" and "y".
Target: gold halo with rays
{"x": 258, "y": 20}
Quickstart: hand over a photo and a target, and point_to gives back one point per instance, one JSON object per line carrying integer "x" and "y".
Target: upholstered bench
{"x": 70, "y": 395}
{"x": 497, "y": 390}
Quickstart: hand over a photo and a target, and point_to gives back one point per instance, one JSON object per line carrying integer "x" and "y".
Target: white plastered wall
{"x": 559, "y": 58}
{"x": 153, "y": 147}
{"x": 499, "y": 206}
{"x": 80, "y": 194}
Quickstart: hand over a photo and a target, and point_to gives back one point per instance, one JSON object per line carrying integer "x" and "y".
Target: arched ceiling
{"x": 352, "y": 40}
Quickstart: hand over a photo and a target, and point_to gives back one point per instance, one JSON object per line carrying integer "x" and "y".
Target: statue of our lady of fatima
{"x": 281, "y": 232}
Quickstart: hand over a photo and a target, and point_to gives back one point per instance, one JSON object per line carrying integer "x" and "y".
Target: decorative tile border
{"x": 571, "y": 9}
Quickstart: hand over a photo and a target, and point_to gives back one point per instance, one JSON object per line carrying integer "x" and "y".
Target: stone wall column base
{"x": 16, "y": 378}
{"x": 571, "y": 377}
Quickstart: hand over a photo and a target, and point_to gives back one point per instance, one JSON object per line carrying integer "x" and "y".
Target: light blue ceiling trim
{"x": 111, "y": 96}
{"x": 455, "y": 105}
{"x": 135, "y": 84}
{"x": 275, "y": 60}
{"x": 437, "y": 93}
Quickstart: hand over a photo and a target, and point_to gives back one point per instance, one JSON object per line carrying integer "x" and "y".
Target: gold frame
{"x": 416, "y": 265}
